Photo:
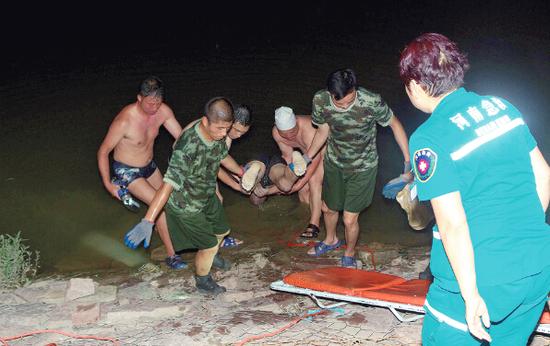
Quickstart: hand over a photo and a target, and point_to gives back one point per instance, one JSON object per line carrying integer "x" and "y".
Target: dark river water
{"x": 57, "y": 100}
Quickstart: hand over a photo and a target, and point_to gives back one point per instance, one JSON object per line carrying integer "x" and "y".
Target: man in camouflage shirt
{"x": 346, "y": 116}
{"x": 195, "y": 215}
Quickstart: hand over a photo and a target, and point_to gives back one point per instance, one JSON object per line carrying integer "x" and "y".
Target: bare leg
{"x": 282, "y": 177}
{"x": 204, "y": 258}
{"x": 303, "y": 194}
{"x": 145, "y": 190}
{"x": 315, "y": 185}
{"x": 351, "y": 222}
{"x": 331, "y": 219}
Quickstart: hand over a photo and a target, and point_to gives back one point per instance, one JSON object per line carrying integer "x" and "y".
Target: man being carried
{"x": 131, "y": 138}
{"x": 271, "y": 175}
{"x": 346, "y": 116}
{"x": 195, "y": 215}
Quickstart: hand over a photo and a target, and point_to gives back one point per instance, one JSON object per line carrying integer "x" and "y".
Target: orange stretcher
{"x": 348, "y": 285}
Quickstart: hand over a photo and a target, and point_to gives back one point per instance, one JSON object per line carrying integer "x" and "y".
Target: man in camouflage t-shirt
{"x": 346, "y": 116}
{"x": 195, "y": 215}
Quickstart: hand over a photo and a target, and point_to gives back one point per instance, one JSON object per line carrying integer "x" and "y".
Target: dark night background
{"x": 68, "y": 70}
{"x": 81, "y": 34}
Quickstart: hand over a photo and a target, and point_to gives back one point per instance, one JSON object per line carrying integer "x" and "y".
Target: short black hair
{"x": 152, "y": 86}
{"x": 243, "y": 115}
{"x": 219, "y": 108}
{"x": 341, "y": 82}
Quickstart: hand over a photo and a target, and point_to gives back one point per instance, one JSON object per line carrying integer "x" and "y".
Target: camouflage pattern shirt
{"x": 193, "y": 171}
{"x": 351, "y": 144}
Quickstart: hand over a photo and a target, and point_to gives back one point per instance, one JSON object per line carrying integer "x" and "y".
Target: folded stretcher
{"x": 348, "y": 285}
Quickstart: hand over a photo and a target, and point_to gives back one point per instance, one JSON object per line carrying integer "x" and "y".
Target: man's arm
{"x": 271, "y": 190}
{"x": 542, "y": 176}
{"x": 187, "y": 127}
{"x": 228, "y": 180}
{"x": 191, "y": 124}
{"x": 309, "y": 173}
{"x": 143, "y": 230}
{"x": 400, "y": 137}
{"x": 455, "y": 235}
{"x": 231, "y": 165}
{"x": 171, "y": 124}
{"x": 113, "y": 137}
{"x": 158, "y": 202}
{"x": 321, "y": 136}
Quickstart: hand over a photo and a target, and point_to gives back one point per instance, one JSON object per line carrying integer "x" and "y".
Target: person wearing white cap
{"x": 293, "y": 132}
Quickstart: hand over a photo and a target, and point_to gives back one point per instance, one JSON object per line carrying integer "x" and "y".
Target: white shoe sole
{"x": 250, "y": 177}
{"x": 299, "y": 163}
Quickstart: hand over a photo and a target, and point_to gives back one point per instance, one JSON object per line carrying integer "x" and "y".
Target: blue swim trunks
{"x": 124, "y": 175}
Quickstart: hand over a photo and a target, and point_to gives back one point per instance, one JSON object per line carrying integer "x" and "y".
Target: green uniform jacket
{"x": 479, "y": 146}
{"x": 193, "y": 171}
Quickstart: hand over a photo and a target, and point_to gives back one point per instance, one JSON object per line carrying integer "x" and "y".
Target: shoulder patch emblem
{"x": 425, "y": 163}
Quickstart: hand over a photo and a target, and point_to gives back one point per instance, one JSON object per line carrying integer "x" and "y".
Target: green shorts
{"x": 349, "y": 191}
{"x": 197, "y": 230}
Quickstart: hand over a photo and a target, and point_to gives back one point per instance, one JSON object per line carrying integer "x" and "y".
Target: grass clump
{"x": 18, "y": 264}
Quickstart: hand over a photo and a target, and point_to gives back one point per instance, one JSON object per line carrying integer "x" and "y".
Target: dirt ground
{"x": 157, "y": 306}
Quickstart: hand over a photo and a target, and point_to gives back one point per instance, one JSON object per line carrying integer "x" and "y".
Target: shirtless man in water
{"x": 296, "y": 132}
{"x": 131, "y": 137}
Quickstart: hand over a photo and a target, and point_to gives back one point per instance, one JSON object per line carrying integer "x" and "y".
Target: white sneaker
{"x": 299, "y": 163}
{"x": 250, "y": 177}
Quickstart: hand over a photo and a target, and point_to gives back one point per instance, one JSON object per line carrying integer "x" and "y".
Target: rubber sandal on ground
{"x": 311, "y": 231}
{"x": 349, "y": 262}
{"x": 175, "y": 262}
{"x": 250, "y": 176}
{"x": 230, "y": 242}
{"x": 321, "y": 248}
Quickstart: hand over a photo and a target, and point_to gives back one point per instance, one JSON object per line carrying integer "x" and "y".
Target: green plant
{"x": 18, "y": 264}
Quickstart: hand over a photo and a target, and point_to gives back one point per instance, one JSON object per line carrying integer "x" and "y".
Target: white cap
{"x": 285, "y": 118}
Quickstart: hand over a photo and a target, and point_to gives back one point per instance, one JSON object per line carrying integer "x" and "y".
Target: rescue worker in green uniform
{"x": 477, "y": 162}
{"x": 346, "y": 116}
{"x": 195, "y": 215}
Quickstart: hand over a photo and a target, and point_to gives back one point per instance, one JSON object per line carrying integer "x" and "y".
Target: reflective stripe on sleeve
{"x": 436, "y": 235}
{"x": 441, "y": 317}
{"x": 479, "y": 141}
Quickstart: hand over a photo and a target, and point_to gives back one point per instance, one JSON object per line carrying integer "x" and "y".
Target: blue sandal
{"x": 175, "y": 262}
{"x": 349, "y": 262}
{"x": 230, "y": 242}
{"x": 321, "y": 248}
